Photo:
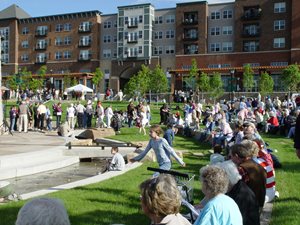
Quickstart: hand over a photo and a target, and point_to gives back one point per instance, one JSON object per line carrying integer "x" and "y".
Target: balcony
{"x": 41, "y": 33}
{"x": 250, "y": 49}
{"x": 84, "y": 58}
{"x": 190, "y": 52}
{"x": 84, "y": 29}
{"x": 132, "y": 41}
{"x": 251, "y": 14}
{"x": 250, "y": 34}
{"x": 190, "y": 38}
{"x": 41, "y": 60}
{"x": 84, "y": 44}
{"x": 190, "y": 22}
{"x": 39, "y": 47}
{"x": 132, "y": 25}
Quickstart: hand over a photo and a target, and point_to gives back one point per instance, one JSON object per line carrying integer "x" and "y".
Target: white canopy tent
{"x": 79, "y": 88}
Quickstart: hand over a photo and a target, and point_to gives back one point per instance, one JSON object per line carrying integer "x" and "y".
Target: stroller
{"x": 185, "y": 183}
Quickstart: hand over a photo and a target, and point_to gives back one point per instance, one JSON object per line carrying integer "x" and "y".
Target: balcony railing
{"x": 251, "y": 15}
{"x": 84, "y": 44}
{"x": 250, "y": 49}
{"x": 41, "y": 60}
{"x": 84, "y": 58}
{"x": 132, "y": 41}
{"x": 190, "y": 38}
{"x": 189, "y": 52}
{"x": 247, "y": 34}
{"x": 41, "y": 33}
{"x": 190, "y": 22}
{"x": 84, "y": 29}
{"x": 41, "y": 47}
{"x": 132, "y": 25}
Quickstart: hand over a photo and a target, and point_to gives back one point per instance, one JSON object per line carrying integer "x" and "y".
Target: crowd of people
{"x": 240, "y": 178}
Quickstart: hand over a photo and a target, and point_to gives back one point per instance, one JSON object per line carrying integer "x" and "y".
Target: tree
{"x": 158, "y": 81}
{"x": 248, "y": 78}
{"x": 291, "y": 78}
{"x": 216, "y": 85}
{"x": 97, "y": 78}
{"x": 139, "y": 83}
{"x": 67, "y": 81}
{"x": 203, "y": 83}
{"x": 266, "y": 84}
{"x": 190, "y": 80}
{"x": 42, "y": 74}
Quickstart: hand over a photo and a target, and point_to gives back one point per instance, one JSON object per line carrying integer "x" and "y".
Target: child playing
{"x": 117, "y": 163}
{"x": 162, "y": 149}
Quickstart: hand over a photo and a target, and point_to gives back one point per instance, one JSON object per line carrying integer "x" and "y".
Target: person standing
{"x": 100, "y": 115}
{"x": 297, "y": 136}
{"x": 130, "y": 110}
{"x": 169, "y": 135}
{"x": 89, "y": 114}
{"x": 12, "y": 116}
{"x": 58, "y": 114}
{"x": 109, "y": 114}
{"x": 80, "y": 111}
{"x": 41, "y": 114}
{"x": 48, "y": 119}
{"x": 162, "y": 149}
{"x": 71, "y": 116}
{"x": 23, "y": 117}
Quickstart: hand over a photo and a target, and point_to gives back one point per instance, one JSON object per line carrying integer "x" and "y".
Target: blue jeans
{"x": 163, "y": 166}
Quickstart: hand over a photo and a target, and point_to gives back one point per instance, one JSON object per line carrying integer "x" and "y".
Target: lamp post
{"x": 1, "y": 106}
{"x": 232, "y": 72}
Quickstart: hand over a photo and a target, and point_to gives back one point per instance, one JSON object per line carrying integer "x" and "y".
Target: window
{"x": 279, "y": 43}
{"x": 227, "y": 30}
{"x": 116, "y": 24}
{"x": 115, "y": 39}
{"x": 227, "y": 46}
{"x": 106, "y": 38}
{"x": 158, "y": 50}
{"x": 59, "y": 28}
{"x": 25, "y": 30}
{"x": 279, "y": 25}
{"x": 133, "y": 21}
{"x": 158, "y": 20}
{"x": 41, "y": 57}
{"x": 170, "y": 18}
{"x": 85, "y": 41}
{"x": 215, "y": 15}
{"x": 25, "y": 57}
{"x": 41, "y": 30}
{"x": 58, "y": 41}
{"x": 133, "y": 36}
{"x": 191, "y": 49}
{"x": 279, "y": 64}
{"x": 140, "y": 49}
{"x": 279, "y": 7}
{"x": 227, "y": 14}
{"x": 106, "y": 53}
{"x": 41, "y": 44}
{"x": 67, "y": 54}
{"x": 140, "y": 34}
{"x": 67, "y": 40}
{"x": 25, "y": 44}
{"x": 132, "y": 52}
{"x": 67, "y": 27}
{"x": 140, "y": 19}
{"x": 215, "y": 47}
{"x": 85, "y": 55}
{"x": 191, "y": 33}
{"x": 85, "y": 26}
{"x": 170, "y": 34}
{"x": 158, "y": 35}
{"x": 215, "y": 31}
{"x": 170, "y": 49}
{"x": 107, "y": 24}
{"x": 250, "y": 46}
{"x": 58, "y": 55}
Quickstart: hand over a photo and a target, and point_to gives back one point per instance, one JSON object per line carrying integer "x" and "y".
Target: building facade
{"x": 220, "y": 37}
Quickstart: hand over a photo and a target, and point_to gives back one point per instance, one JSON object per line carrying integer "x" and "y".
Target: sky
{"x": 37, "y": 8}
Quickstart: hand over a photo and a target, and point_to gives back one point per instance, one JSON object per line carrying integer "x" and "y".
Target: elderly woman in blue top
{"x": 162, "y": 149}
{"x": 219, "y": 208}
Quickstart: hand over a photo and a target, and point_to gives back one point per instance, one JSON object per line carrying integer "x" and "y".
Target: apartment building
{"x": 221, "y": 37}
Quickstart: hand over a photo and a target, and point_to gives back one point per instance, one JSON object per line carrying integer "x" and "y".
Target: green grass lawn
{"x": 117, "y": 200}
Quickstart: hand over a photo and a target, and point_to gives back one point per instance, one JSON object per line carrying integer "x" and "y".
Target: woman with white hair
{"x": 44, "y": 211}
{"x": 161, "y": 201}
{"x": 219, "y": 209}
{"x": 243, "y": 196}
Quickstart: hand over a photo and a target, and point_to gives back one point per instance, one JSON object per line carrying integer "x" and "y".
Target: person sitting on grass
{"x": 162, "y": 149}
{"x": 216, "y": 157}
{"x": 117, "y": 163}
{"x": 44, "y": 211}
{"x": 161, "y": 200}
